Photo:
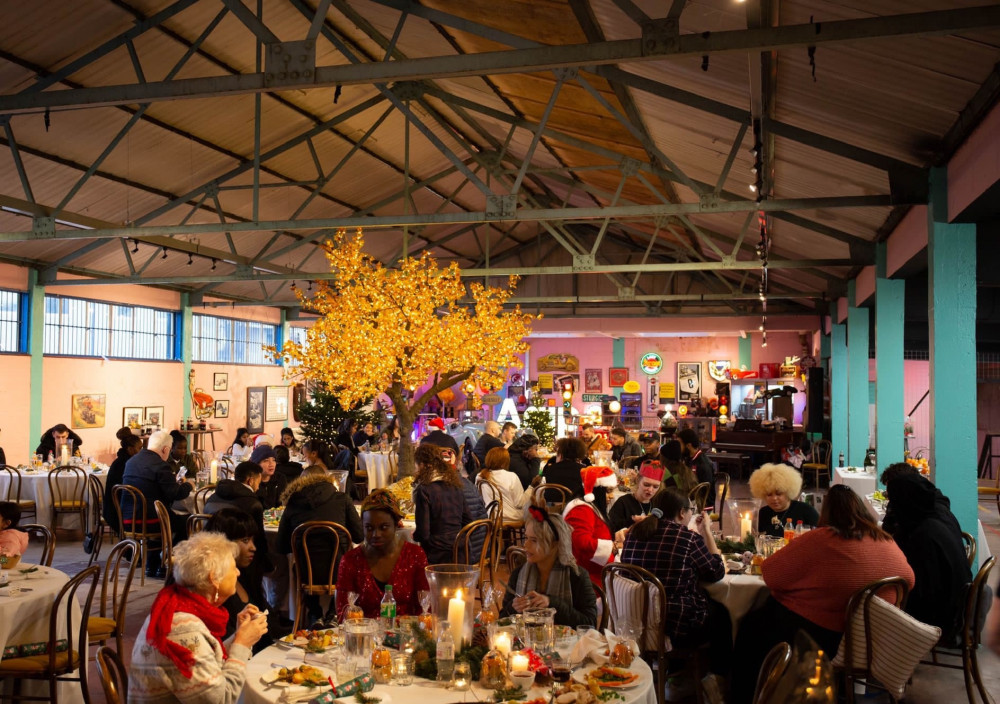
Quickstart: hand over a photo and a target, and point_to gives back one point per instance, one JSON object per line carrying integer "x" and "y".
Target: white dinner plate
{"x": 581, "y": 677}
{"x": 271, "y": 678}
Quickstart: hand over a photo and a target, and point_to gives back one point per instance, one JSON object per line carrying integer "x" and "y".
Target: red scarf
{"x": 176, "y": 598}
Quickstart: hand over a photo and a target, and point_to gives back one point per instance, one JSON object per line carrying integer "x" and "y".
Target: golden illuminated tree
{"x": 397, "y": 331}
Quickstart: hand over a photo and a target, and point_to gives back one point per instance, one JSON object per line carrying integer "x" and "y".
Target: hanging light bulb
{"x": 136, "y": 248}
{"x": 164, "y": 253}
{"x": 753, "y": 188}
{"x": 190, "y": 259}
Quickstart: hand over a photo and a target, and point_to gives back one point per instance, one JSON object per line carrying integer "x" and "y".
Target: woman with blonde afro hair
{"x": 778, "y": 486}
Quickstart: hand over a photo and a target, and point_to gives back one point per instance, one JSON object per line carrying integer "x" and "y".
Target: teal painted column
{"x": 617, "y": 359}
{"x": 186, "y": 327}
{"x": 838, "y": 389}
{"x": 857, "y": 382}
{"x": 746, "y": 353}
{"x": 36, "y": 346}
{"x": 951, "y": 304}
{"x": 889, "y": 385}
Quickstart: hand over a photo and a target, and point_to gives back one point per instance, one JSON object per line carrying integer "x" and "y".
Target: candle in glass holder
{"x": 456, "y": 618}
{"x": 64, "y": 455}
{"x": 502, "y": 643}
{"x": 519, "y": 662}
{"x": 746, "y": 526}
{"x": 461, "y": 679}
{"x": 213, "y": 472}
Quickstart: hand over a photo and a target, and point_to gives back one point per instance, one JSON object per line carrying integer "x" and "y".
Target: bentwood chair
{"x": 636, "y": 596}
{"x": 201, "y": 497}
{"x": 59, "y": 664}
{"x": 516, "y": 556}
{"x": 991, "y": 491}
{"x": 973, "y": 615}
{"x": 133, "y": 523}
{"x": 68, "y": 486}
{"x": 557, "y": 496}
{"x": 166, "y": 535}
{"x": 96, "y": 523}
{"x": 773, "y": 667}
{"x": 116, "y": 582}
{"x": 37, "y": 530}
{"x": 970, "y": 548}
{"x": 699, "y": 495}
{"x": 313, "y": 541}
{"x": 462, "y": 551}
{"x": 13, "y": 491}
{"x": 196, "y": 523}
{"x": 819, "y": 462}
{"x": 114, "y": 678}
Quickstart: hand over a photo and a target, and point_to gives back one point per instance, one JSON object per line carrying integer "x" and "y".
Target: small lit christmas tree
{"x": 321, "y": 416}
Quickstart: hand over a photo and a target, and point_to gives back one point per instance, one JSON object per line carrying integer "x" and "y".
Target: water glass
{"x": 402, "y": 670}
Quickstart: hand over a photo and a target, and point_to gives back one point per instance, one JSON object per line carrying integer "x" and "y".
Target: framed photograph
{"x": 132, "y": 416}
{"x": 255, "y": 409}
{"x": 222, "y": 409}
{"x": 220, "y": 382}
{"x": 87, "y": 411}
{"x": 276, "y": 407}
{"x": 154, "y": 415}
{"x": 617, "y": 376}
{"x": 592, "y": 383}
{"x": 688, "y": 381}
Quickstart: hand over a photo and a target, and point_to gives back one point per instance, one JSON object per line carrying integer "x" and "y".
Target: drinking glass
{"x": 461, "y": 678}
{"x": 402, "y": 669}
{"x": 539, "y": 628}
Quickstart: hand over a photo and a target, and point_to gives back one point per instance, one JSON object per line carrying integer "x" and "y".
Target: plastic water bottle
{"x": 840, "y": 460}
{"x": 387, "y": 611}
{"x": 789, "y": 532}
{"x": 445, "y": 653}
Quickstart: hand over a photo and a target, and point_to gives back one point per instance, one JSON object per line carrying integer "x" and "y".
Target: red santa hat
{"x": 596, "y": 476}
{"x": 436, "y": 423}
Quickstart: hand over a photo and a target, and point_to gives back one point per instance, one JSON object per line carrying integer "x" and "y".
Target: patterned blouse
{"x": 408, "y": 578}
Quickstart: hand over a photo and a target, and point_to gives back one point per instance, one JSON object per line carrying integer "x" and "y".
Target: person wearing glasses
{"x": 811, "y": 581}
{"x": 682, "y": 558}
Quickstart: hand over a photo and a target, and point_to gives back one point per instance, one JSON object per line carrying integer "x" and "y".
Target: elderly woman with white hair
{"x": 550, "y": 577}
{"x": 779, "y": 485}
{"x": 179, "y": 655}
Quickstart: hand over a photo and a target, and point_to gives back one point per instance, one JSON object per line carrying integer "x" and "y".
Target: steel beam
{"x": 524, "y": 60}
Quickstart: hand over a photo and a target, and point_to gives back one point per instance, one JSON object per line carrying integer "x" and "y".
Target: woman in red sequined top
{"x": 383, "y": 558}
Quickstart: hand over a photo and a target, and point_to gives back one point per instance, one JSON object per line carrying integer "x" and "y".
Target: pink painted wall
{"x": 15, "y": 373}
{"x": 240, "y": 378}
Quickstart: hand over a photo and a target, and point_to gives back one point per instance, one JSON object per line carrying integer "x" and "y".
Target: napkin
{"x": 290, "y": 695}
{"x": 592, "y": 643}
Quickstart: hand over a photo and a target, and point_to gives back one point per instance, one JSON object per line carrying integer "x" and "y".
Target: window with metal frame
{"x": 231, "y": 340}
{"x": 10, "y": 321}
{"x": 86, "y": 328}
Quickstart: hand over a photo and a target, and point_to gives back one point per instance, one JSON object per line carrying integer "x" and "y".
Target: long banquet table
{"x": 857, "y": 478}
{"x": 35, "y": 487}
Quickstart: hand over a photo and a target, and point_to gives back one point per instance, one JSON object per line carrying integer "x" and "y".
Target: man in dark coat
{"x": 52, "y": 437}
{"x": 524, "y": 460}
{"x": 487, "y": 441}
{"x": 285, "y": 467}
{"x": 149, "y": 472}
{"x": 623, "y": 445}
{"x": 272, "y": 485}
{"x": 699, "y": 462}
{"x": 239, "y": 492}
{"x": 439, "y": 437}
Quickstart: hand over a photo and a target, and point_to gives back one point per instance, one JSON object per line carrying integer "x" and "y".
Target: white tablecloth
{"x": 25, "y": 619}
{"x": 378, "y": 468}
{"x": 420, "y": 692}
{"x": 740, "y": 594}
{"x": 35, "y": 487}
{"x": 877, "y": 509}
{"x": 859, "y": 480}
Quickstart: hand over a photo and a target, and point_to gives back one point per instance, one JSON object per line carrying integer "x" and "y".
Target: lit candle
{"x": 518, "y": 662}
{"x": 746, "y": 526}
{"x": 64, "y": 455}
{"x": 502, "y": 643}
{"x": 213, "y": 472}
{"x": 456, "y": 618}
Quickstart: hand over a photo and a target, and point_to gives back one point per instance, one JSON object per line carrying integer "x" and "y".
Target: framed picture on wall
{"x": 255, "y": 409}
{"x": 276, "y": 407}
{"x": 87, "y": 410}
{"x": 688, "y": 381}
{"x": 592, "y": 381}
{"x": 617, "y": 376}
{"x": 220, "y": 382}
{"x": 132, "y": 416}
{"x": 154, "y": 415}
{"x": 222, "y": 409}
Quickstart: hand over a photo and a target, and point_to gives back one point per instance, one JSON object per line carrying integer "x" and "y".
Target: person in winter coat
{"x": 272, "y": 485}
{"x": 130, "y": 446}
{"x": 587, "y": 515}
{"x": 285, "y": 467}
{"x": 52, "y": 437}
{"x": 473, "y": 500}
{"x": 315, "y": 497}
{"x": 440, "y": 508}
{"x": 240, "y": 493}
{"x": 571, "y": 457}
{"x": 524, "y": 460}
{"x": 623, "y": 445}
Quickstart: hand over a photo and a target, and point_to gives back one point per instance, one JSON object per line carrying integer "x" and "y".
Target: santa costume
{"x": 593, "y": 542}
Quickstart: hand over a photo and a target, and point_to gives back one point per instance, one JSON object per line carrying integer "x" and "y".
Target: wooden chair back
{"x": 970, "y": 547}
{"x": 37, "y": 530}
{"x": 721, "y": 480}
{"x": 12, "y": 492}
{"x": 68, "y": 487}
{"x": 557, "y": 496}
{"x": 773, "y": 667}
{"x": 114, "y": 678}
{"x": 166, "y": 534}
{"x": 516, "y": 556}
{"x": 130, "y": 507}
{"x": 861, "y": 601}
{"x": 115, "y": 586}
{"x": 95, "y": 519}
{"x": 310, "y": 581}
{"x": 820, "y": 452}
{"x": 699, "y": 495}
{"x": 196, "y": 523}
{"x": 201, "y": 497}
{"x": 462, "y": 551}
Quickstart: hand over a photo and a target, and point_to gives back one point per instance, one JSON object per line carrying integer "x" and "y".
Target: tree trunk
{"x": 406, "y": 413}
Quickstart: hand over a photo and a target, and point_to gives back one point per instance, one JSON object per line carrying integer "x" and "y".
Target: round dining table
{"x": 25, "y": 609}
{"x": 35, "y": 487}
{"x": 740, "y": 594}
{"x": 379, "y": 468}
{"x": 255, "y": 691}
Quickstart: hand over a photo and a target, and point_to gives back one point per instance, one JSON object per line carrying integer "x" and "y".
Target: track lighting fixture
{"x": 135, "y": 249}
{"x": 190, "y": 259}
{"x": 213, "y": 263}
{"x": 164, "y": 253}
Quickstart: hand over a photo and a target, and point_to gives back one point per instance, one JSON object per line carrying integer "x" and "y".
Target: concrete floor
{"x": 930, "y": 685}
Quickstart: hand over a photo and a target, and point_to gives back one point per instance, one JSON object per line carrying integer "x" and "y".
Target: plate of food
{"x": 607, "y": 676}
{"x": 302, "y": 676}
{"x": 312, "y": 641}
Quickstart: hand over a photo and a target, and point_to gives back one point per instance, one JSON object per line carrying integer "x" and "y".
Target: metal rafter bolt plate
{"x": 408, "y": 90}
{"x": 290, "y": 62}
{"x": 43, "y": 228}
{"x": 709, "y": 201}
{"x": 660, "y": 36}
{"x": 567, "y": 73}
{"x": 501, "y": 206}
{"x": 626, "y": 293}
{"x": 583, "y": 262}
{"x": 629, "y": 166}
{"x": 242, "y": 271}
